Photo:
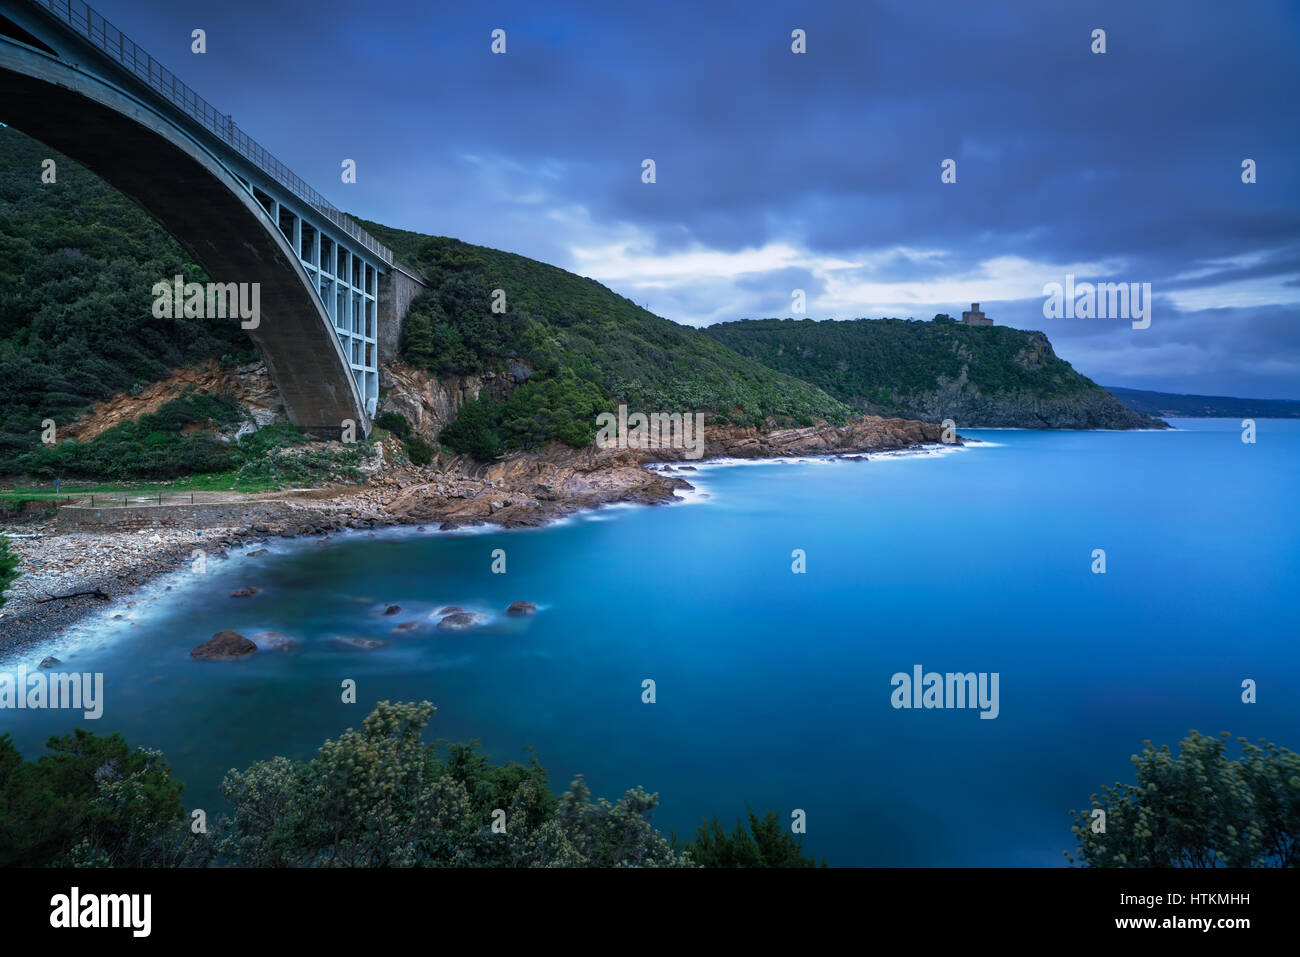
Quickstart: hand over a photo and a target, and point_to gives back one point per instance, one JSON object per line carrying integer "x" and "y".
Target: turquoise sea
{"x": 773, "y": 688}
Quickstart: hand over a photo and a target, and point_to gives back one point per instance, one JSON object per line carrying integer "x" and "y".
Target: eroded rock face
{"x": 224, "y": 646}
{"x": 428, "y": 403}
{"x": 250, "y": 385}
{"x": 965, "y": 405}
{"x": 535, "y": 487}
{"x": 865, "y": 434}
{"x": 522, "y": 609}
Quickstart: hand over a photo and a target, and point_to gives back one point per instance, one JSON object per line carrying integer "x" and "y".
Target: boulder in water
{"x": 522, "y": 609}
{"x": 248, "y": 591}
{"x": 392, "y": 609}
{"x": 224, "y": 646}
{"x": 360, "y": 644}
{"x": 459, "y": 621}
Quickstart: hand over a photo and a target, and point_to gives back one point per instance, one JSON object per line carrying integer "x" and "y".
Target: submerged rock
{"x": 407, "y": 626}
{"x": 459, "y": 621}
{"x": 275, "y": 641}
{"x": 361, "y": 644}
{"x": 449, "y": 610}
{"x": 522, "y": 609}
{"x": 248, "y": 591}
{"x": 50, "y": 662}
{"x": 259, "y": 553}
{"x": 224, "y": 646}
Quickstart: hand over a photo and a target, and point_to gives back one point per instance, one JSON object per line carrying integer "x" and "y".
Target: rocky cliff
{"x": 968, "y": 403}
{"x": 978, "y": 376}
{"x": 529, "y": 488}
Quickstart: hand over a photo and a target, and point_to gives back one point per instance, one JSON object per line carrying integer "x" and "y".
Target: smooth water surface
{"x": 773, "y": 688}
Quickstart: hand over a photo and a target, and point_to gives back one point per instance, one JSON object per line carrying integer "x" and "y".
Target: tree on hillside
{"x": 474, "y": 431}
{"x": 8, "y": 568}
{"x": 381, "y": 797}
{"x": 92, "y": 801}
{"x": 765, "y": 842}
{"x": 377, "y": 796}
{"x": 1199, "y": 809}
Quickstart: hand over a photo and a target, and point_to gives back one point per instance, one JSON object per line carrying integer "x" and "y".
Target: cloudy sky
{"x": 819, "y": 171}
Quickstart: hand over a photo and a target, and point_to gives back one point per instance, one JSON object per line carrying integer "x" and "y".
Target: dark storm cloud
{"x": 1131, "y": 158}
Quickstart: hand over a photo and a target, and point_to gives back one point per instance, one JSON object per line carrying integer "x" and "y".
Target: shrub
{"x": 394, "y": 422}
{"x": 764, "y": 843}
{"x": 474, "y": 431}
{"x": 419, "y": 451}
{"x": 563, "y": 408}
{"x": 152, "y": 446}
{"x": 90, "y": 800}
{"x": 1199, "y": 809}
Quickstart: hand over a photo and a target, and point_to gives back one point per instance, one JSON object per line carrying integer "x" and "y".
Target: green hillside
{"x": 992, "y": 376}
{"x": 590, "y": 347}
{"x": 78, "y": 261}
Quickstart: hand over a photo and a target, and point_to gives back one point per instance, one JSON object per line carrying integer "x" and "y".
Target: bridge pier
{"x": 397, "y": 289}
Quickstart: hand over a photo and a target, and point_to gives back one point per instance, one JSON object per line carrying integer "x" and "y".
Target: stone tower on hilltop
{"x": 974, "y": 317}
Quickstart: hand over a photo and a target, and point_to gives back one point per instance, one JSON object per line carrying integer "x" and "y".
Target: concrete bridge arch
{"x": 326, "y": 287}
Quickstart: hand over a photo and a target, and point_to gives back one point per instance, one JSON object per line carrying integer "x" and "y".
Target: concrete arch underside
{"x": 204, "y": 206}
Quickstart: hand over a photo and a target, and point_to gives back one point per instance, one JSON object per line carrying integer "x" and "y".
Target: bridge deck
{"x": 126, "y": 55}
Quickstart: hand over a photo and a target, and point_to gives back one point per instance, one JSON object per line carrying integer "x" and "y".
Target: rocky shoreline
{"x": 522, "y": 490}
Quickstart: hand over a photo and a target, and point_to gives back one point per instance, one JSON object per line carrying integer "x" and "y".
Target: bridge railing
{"x": 86, "y": 23}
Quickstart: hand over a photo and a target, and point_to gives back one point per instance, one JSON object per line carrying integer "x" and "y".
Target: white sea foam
{"x": 101, "y": 628}
{"x": 691, "y": 496}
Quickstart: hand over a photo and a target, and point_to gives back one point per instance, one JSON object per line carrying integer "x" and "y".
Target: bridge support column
{"x": 397, "y": 289}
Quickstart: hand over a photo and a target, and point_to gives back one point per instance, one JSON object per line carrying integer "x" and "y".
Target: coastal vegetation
{"x": 758, "y": 842}
{"x": 76, "y": 326}
{"x": 418, "y": 450}
{"x": 77, "y": 261}
{"x": 160, "y": 445}
{"x": 377, "y": 796}
{"x": 1200, "y": 808}
{"x": 381, "y": 796}
{"x": 580, "y": 346}
{"x": 562, "y": 409}
{"x": 181, "y": 438}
